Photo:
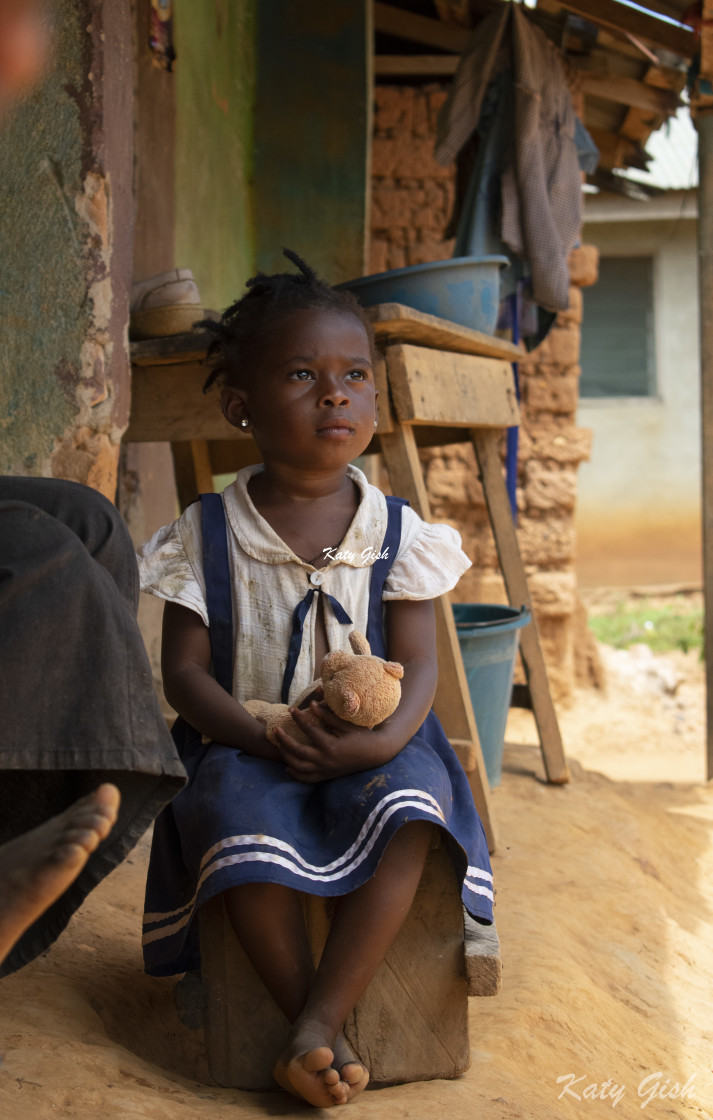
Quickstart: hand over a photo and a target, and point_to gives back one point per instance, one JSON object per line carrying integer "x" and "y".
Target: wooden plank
{"x": 384, "y": 416}
{"x": 485, "y": 444}
{"x": 419, "y": 29}
{"x": 174, "y": 349}
{"x": 168, "y": 403}
{"x": 483, "y": 963}
{"x": 628, "y": 91}
{"x": 462, "y": 390}
{"x": 616, "y": 150}
{"x": 201, "y": 466}
{"x": 395, "y": 321}
{"x": 617, "y": 17}
{"x": 452, "y": 703}
{"x": 415, "y": 65}
{"x": 184, "y": 472}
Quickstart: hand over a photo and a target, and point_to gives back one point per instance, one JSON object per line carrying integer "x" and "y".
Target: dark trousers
{"x": 77, "y": 703}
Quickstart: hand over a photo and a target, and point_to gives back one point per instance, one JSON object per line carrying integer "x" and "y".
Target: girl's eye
{"x": 301, "y": 375}
{"x": 357, "y": 375}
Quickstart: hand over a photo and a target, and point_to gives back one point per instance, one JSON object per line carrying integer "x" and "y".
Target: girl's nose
{"x": 333, "y": 393}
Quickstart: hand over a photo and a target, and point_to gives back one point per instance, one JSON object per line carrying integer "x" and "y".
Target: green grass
{"x": 674, "y": 626}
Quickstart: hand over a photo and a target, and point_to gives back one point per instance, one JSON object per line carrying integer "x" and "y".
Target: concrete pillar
{"x": 704, "y": 124}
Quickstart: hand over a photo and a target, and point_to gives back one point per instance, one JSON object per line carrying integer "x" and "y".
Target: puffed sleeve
{"x": 170, "y": 564}
{"x": 429, "y": 562}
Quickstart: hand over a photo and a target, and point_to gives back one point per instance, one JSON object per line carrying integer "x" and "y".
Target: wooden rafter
{"x": 419, "y": 29}
{"x": 629, "y": 91}
{"x": 415, "y": 65}
{"x": 617, "y": 17}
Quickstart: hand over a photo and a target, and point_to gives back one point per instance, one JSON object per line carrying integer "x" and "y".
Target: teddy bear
{"x": 359, "y": 687}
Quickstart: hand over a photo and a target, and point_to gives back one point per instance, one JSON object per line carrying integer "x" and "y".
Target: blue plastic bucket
{"x": 488, "y": 636}
{"x": 465, "y": 290}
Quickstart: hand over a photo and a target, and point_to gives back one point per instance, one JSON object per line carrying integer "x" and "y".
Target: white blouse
{"x": 269, "y": 580}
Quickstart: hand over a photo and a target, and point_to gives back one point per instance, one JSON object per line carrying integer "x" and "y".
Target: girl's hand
{"x": 336, "y": 749}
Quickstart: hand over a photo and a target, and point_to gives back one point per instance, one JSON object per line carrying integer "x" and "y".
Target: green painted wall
{"x": 312, "y": 126}
{"x": 44, "y": 312}
{"x": 215, "y": 88}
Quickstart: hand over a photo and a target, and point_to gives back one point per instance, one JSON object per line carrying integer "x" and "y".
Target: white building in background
{"x": 638, "y": 517}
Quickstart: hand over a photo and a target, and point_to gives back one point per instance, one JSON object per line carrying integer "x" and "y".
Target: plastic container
{"x": 465, "y": 290}
{"x": 488, "y": 637}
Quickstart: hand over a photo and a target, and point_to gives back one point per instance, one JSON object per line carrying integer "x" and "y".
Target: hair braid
{"x": 236, "y": 338}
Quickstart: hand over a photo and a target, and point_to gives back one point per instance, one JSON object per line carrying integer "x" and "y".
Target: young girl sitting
{"x": 311, "y": 552}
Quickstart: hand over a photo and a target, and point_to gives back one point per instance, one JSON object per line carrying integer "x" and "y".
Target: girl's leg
{"x": 268, "y": 921}
{"x": 364, "y": 927}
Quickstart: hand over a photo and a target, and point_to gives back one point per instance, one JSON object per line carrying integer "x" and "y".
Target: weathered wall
{"x": 215, "y": 88}
{"x": 412, "y": 197}
{"x": 65, "y": 248}
{"x": 638, "y": 510}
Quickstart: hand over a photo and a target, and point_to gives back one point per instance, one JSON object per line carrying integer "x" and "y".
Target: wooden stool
{"x": 410, "y": 1025}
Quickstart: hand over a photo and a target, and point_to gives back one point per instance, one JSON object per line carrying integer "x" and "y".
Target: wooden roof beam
{"x": 617, "y": 151}
{"x": 629, "y": 91}
{"x": 419, "y": 29}
{"x": 616, "y": 17}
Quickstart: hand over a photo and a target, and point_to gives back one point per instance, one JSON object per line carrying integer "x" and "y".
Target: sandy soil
{"x": 605, "y": 914}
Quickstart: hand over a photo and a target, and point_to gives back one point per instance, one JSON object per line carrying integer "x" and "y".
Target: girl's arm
{"x": 196, "y": 695}
{"x": 343, "y": 748}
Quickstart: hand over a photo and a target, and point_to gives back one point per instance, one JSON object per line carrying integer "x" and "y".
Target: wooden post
{"x": 704, "y": 124}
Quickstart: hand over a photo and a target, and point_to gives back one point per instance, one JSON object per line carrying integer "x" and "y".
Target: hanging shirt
{"x": 541, "y": 182}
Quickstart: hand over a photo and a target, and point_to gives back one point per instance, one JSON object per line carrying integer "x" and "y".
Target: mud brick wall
{"x": 411, "y": 203}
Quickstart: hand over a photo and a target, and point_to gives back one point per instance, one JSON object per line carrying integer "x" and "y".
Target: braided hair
{"x": 239, "y": 334}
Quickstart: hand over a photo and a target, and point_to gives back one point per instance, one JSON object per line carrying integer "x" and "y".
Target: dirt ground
{"x": 605, "y": 915}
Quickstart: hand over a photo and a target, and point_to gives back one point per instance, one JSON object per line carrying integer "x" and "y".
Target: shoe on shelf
{"x": 165, "y": 304}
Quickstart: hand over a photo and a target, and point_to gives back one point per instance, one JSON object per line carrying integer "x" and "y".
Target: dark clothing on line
{"x": 77, "y": 702}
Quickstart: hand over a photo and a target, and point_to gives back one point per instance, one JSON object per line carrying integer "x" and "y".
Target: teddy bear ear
{"x": 394, "y": 669}
{"x": 359, "y": 643}
{"x": 350, "y": 702}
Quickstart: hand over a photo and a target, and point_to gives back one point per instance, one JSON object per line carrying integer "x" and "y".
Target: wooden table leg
{"x": 485, "y": 443}
{"x": 452, "y": 703}
{"x": 191, "y": 465}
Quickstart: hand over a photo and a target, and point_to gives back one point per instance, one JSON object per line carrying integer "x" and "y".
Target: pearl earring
{"x": 376, "y": 423}
{"x": 244, "y": 423}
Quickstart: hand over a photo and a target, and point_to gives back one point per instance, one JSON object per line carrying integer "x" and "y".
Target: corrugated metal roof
{"x": 674, "y": 152}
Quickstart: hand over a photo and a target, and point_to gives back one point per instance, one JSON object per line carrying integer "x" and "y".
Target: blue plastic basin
{"x": 465, "y": 290}
{"x": 488, "y": 636}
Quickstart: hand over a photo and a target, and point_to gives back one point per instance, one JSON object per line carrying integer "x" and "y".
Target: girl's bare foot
{"x": 37, "y": 867}
{"x": 352, "y": 1071}
{"x": 305, "y": 1067}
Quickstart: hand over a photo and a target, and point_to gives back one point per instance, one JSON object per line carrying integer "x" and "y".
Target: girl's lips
{"x": 335, "y": 433}
{"x": 336, "y": 427}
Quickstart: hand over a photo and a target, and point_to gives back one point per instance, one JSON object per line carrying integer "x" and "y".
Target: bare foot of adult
{"x": 306, "y": 1070}
{"x": 352, "y": 1071}
{"x": 37, "y": 867}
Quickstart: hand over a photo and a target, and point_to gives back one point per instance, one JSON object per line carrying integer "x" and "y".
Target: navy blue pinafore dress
{"x": 242, "y": 819}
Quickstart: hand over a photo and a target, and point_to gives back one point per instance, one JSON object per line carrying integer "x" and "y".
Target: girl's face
{"x": 311, "y": 404}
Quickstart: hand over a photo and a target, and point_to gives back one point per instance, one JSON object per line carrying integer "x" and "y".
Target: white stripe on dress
{"x": 273, "y": 842}
{"x": 269, "y": 857}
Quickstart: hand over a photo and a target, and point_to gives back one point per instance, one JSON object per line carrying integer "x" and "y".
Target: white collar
{"x": 358, "y": 549}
